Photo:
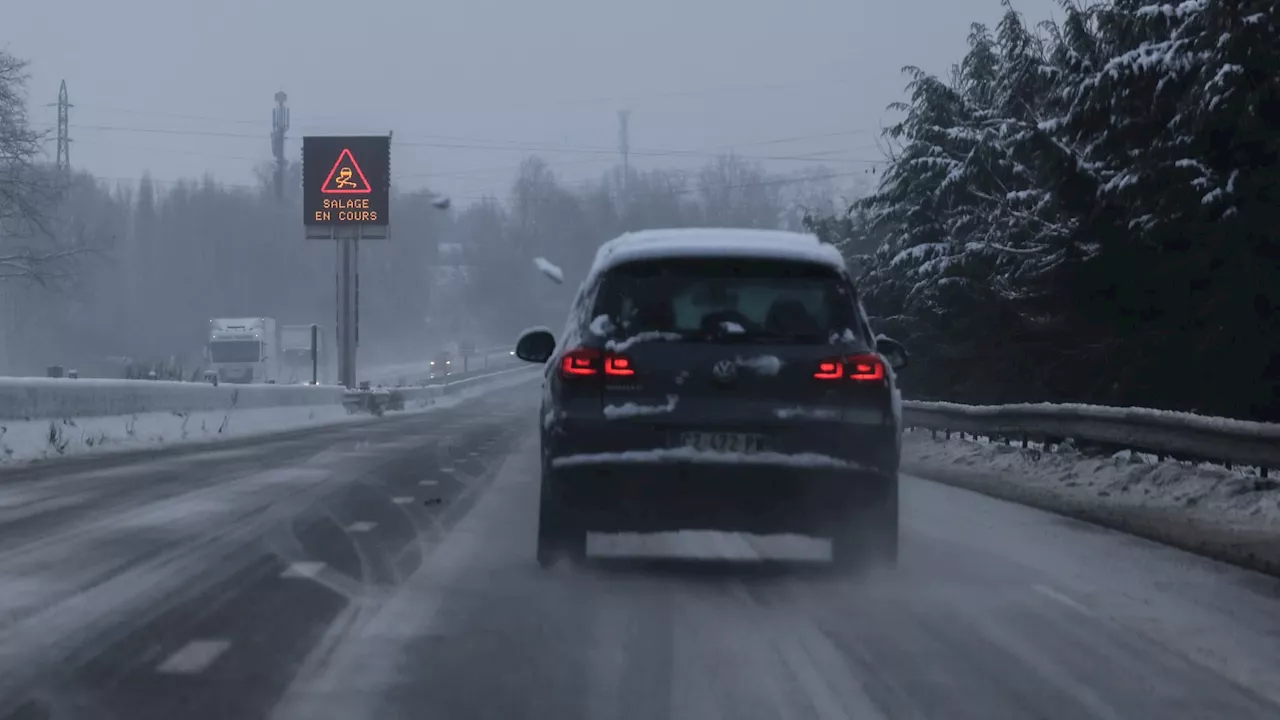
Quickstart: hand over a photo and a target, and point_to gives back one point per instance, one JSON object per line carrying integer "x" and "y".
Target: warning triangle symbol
{"x": 346, "y": 177}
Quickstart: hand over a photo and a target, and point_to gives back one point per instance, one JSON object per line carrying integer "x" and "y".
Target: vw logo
{"x": 725, "y": 371}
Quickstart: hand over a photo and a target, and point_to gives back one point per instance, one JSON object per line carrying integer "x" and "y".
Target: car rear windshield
{"x": 725, "y": 299}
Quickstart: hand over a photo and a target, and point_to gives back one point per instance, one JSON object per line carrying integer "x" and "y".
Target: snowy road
{"x": 385, "y": 571}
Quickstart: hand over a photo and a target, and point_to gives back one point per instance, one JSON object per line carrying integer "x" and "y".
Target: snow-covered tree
{"x": 1081, "y": 210}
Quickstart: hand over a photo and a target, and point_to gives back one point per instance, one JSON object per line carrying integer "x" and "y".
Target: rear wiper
{"x": 760, "y": 337}
{"x": 723, "y": 336}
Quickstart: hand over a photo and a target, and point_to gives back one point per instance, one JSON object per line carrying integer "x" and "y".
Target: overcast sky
{"x": 470, "y": 87}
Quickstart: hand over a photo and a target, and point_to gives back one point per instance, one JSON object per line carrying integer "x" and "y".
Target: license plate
{"x": 723, "y": 442}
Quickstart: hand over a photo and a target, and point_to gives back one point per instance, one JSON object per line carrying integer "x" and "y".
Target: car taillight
{"x": 580, "y": 363}
{"x": 618, "y": 365}
{"x": 863, "y": 368}
{"x": 830, "y": 370}
{"x": 587, "y": 362}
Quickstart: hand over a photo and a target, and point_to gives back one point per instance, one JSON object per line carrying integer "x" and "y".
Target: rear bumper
{"x": 825, "y": 445}
{"x": 789, "y": 494}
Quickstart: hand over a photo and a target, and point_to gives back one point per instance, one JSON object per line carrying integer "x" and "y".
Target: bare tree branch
{"x": 29, "y": 190}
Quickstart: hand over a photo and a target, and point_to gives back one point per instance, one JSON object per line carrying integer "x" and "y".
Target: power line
{"x": 615, "y": 100}
{"x": 713, "y": 151}
{"x": 465, "y": 143}
{"x": 420, "y": 175}
{"x": 462, "y": 174}
{"x": 562, "y": 187}
{"x": 192, "y": 153}
{"x": 505, "y": 145}
{"x": 588, "y": 185}
{"x": 513, "y": 146}
{"x": 456, "y": 138}
{"x": 579, "y": 185}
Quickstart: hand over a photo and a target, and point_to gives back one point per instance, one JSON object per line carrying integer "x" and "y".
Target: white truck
{"x": 295, "y": 340}
{"x": 244, "y": 350}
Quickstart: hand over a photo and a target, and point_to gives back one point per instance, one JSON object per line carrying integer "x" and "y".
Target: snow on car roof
{"x": 715, "y": 242}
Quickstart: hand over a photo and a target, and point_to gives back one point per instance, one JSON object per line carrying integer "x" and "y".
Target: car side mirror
{"x": 536, "y": 345}
{"x": 892, "y": 351}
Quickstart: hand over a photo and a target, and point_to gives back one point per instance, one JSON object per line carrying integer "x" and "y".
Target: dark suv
{"x": 719, "y": 380}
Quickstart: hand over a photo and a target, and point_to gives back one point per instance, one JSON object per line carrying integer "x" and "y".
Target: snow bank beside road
{"x": 39, "y": 398}
{"x": 1209, "y": 509}
{"x": 40, "y": 438}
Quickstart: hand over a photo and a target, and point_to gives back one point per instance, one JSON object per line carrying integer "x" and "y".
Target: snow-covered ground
{"x": 1232, "y": 513}
{"x": 1126, "y": 478}
{"x": 26, "y": 440}
{"x": 37, "y": 398}
{"x": 35, "y": 439}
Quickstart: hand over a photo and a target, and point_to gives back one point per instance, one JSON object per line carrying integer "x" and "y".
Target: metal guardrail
{"x": 412, "y": 374}
{"x": 485, "y": 359}
{"x": 1161, "y": 432}
{"x": 492, "y": 360}
{"x": 378, "y": 399}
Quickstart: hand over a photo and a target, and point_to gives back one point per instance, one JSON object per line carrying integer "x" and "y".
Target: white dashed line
{"x": 402, "y": 500}
{"x": 428, "y": 482}
{"x": 446, "y": 469}
{"x": 303, "y": 570}
{"x": 1049, "y": 592}
{"x": 362, "y": 526}
{"x": 194, "y": 658}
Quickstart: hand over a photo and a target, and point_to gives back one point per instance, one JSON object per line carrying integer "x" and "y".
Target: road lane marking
{"x": 194, "y": 658}
{"x": 361, "y": 526}
{"x": 446, "y": 469}
{"x": 402, "y": 500}
{"x": 336, "y": 678}
{"x": 1049, "y": 592}
{"x": 428, "y": 482}
{"x": 303, "y": 570}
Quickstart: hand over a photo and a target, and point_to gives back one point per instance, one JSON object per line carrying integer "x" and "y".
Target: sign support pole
{"x": 315, "y": 354}
{"x": 355, "y": 261}
{"x": 346, "y": 237}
